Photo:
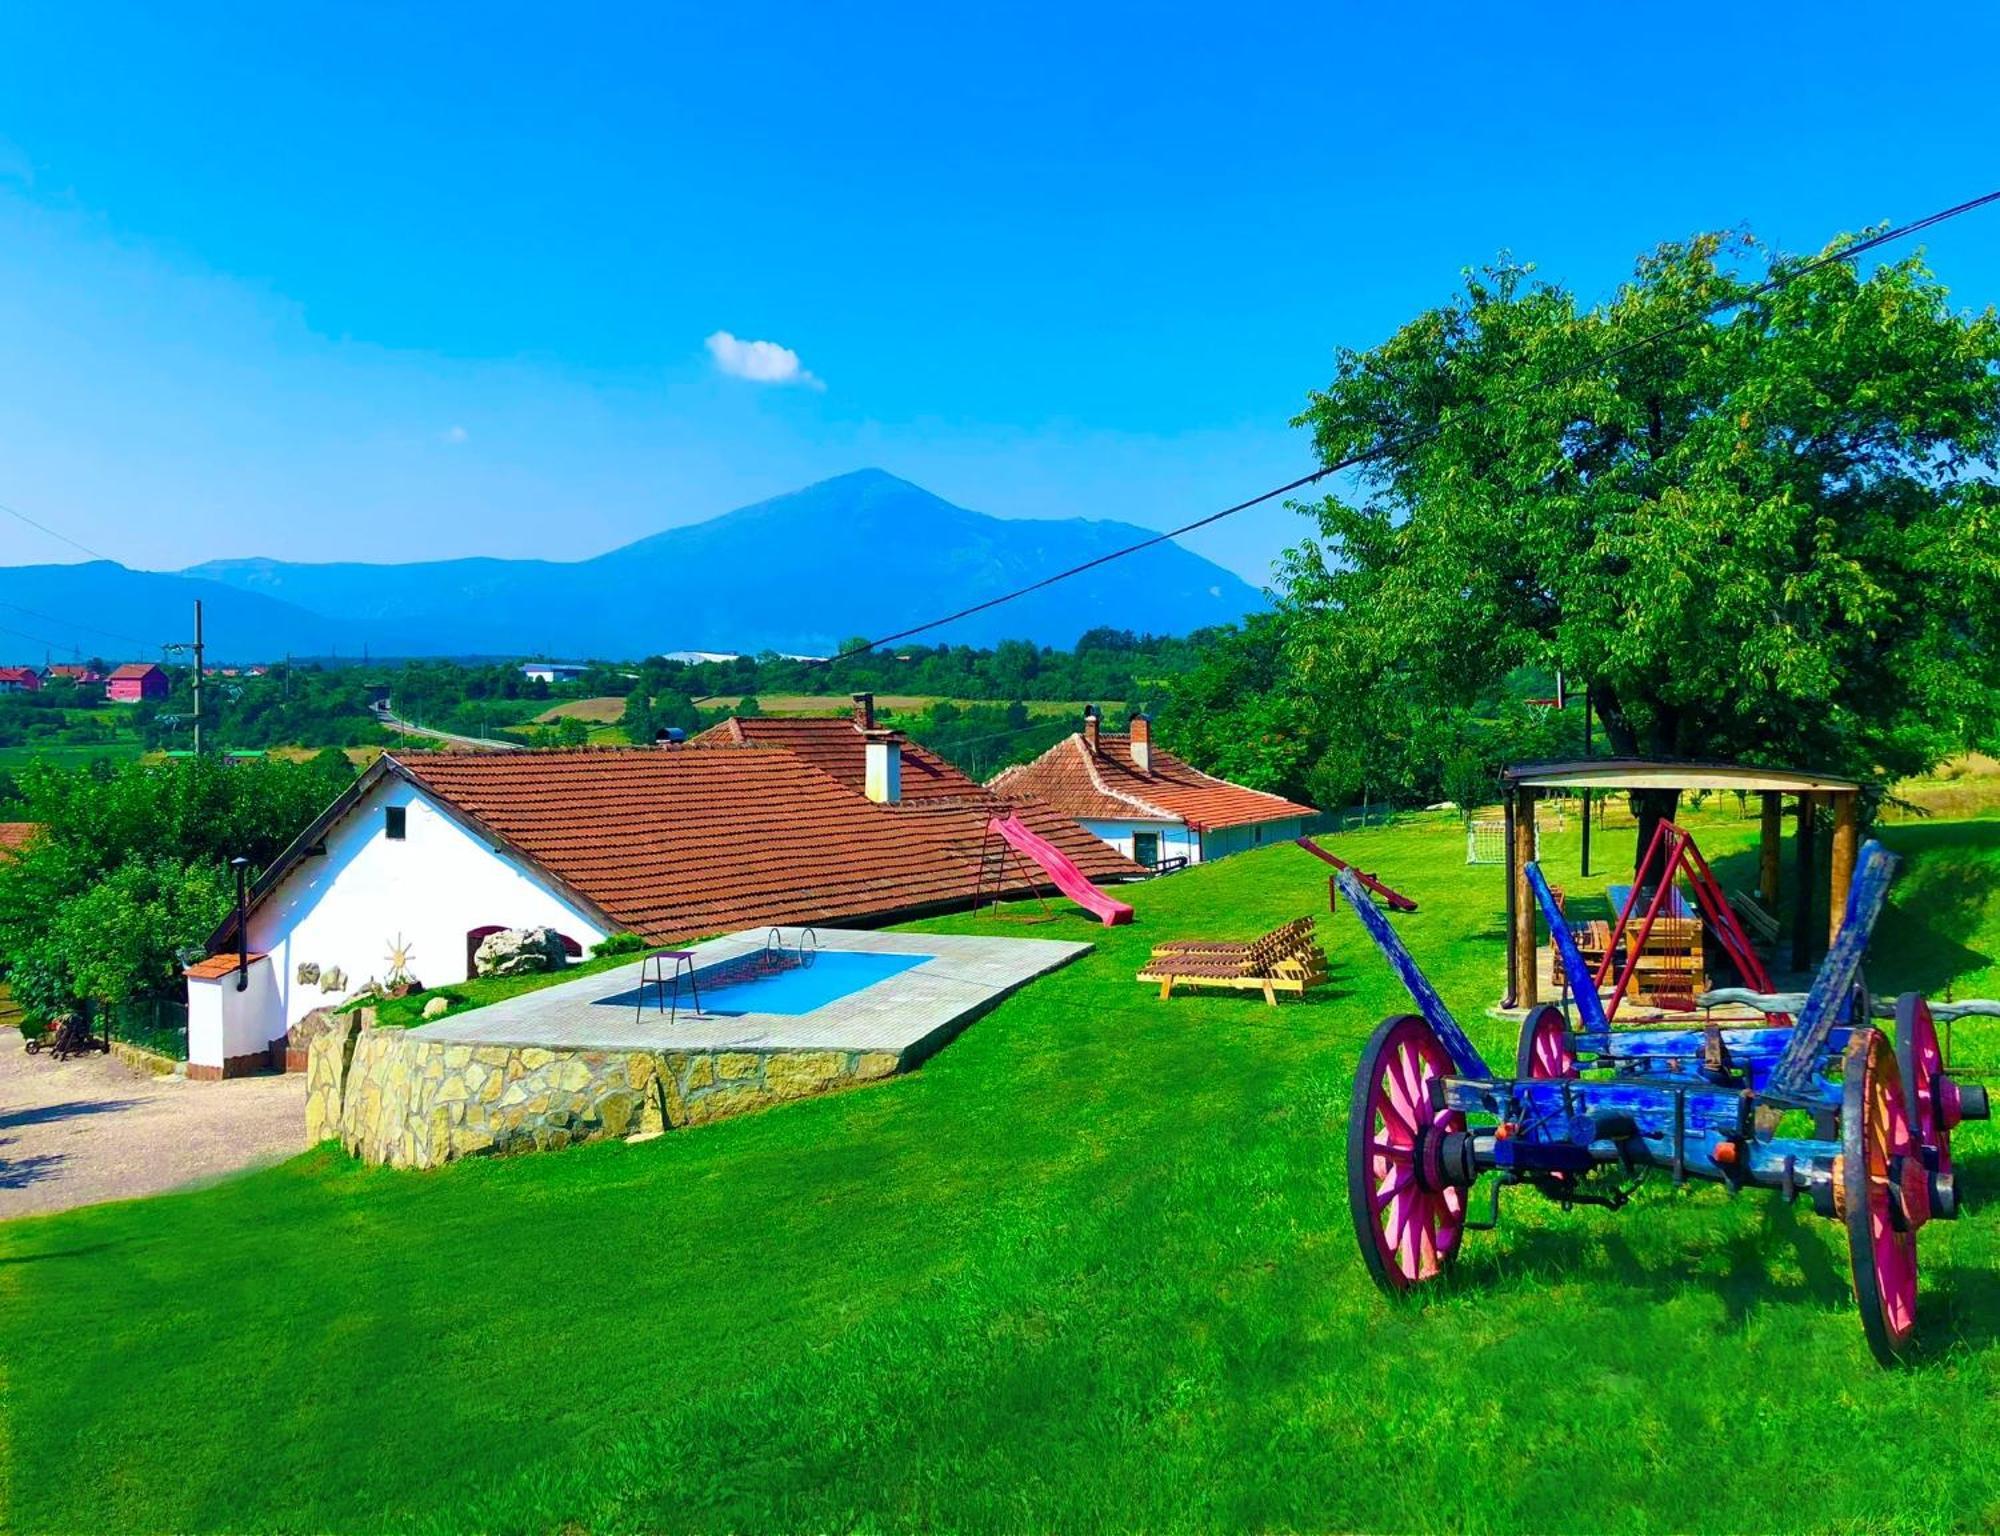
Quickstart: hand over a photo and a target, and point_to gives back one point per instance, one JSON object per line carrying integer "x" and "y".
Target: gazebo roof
{"x": 1621, "y": 773}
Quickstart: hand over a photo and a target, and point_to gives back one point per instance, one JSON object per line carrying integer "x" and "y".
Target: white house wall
{"x": 1223, "y": 841}
{"x": 1177, "y": 841}
{"x": 1181, "y": 842}
{"x": 431, "y": 887}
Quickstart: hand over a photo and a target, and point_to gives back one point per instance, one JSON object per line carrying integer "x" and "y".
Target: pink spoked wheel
{"x": 1546, "y": 1049}
{"x": 1409, "y": 1212}
{"x": 1884, "y": 1194}
{"x": 1929, "y": 1097}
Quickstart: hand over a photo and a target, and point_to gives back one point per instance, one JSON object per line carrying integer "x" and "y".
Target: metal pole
{"x": 197, "y": 677}
{"x": 242, "y": 867}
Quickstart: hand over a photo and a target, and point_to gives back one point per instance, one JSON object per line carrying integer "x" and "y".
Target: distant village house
{"x": 136, "y": 681}
{"x": 552, "y": 671}
{"x": 81, "y": 674}
{"x": 1147, "y": 803}
{"x": 20, "y": 680}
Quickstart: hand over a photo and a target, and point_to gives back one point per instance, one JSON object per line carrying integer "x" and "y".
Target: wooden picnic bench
{"x": 1287, "y": 959}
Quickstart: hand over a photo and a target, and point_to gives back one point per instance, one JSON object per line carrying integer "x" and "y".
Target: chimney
{"x": 883, "y": 779}
{"x": 1090, "y": 729}
{"x": 864, "y": 711}
{"x": 1142, "y": 742}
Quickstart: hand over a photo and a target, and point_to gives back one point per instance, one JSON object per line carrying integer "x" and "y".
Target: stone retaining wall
{"x": 392, "y": 1096}
{"x": 143, "y": 1060}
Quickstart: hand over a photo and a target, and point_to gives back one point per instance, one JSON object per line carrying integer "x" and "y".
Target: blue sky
{"x": 352, "y": 283}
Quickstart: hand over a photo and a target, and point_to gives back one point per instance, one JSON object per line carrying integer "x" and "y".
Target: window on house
{"x": 1146, "y": 848}
{"x": 1258, "y": 833}
{"x": 395, "y": 821}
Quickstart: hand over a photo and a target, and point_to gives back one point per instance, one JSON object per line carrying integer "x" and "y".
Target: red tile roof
{"x": 836, "y": 747}
{"x": 19, "y": 675}
{"x": 216, "y": 966}
{"x": 81, "y": 674}
{"x": 1107, "y": 785}
{"x": 675, "y": 843}
{"x": 14, "y": 837}
{"x": 134, "y": 669}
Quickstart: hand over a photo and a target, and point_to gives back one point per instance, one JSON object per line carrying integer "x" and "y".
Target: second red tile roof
{"x": 1108, "y": 786}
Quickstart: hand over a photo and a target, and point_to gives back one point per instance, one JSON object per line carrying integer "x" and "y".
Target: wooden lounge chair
{"x": 1287, "y": 959}
{"x": 1754, "y": 916}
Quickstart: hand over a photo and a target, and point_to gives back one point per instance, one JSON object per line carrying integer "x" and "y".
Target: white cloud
{"x": 454, "y": 435}
{"x": 761, "y": 362}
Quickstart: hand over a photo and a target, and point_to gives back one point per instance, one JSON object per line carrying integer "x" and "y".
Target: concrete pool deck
{"x": 570, "y": 1063}
{"x": 911, "y": 1013}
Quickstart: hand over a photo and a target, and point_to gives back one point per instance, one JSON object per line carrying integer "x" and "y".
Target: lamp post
{"x": 242, "y": 867}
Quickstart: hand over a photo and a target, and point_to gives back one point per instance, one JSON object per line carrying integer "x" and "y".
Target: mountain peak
{"x": 866, "y": 552}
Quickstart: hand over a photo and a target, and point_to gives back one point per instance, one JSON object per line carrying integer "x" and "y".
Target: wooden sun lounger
{"x": 1287, "y": 959}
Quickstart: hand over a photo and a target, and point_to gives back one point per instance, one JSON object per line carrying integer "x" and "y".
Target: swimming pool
{"x": 833, "y": 974}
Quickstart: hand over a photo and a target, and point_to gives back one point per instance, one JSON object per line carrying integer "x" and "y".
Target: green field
{"x": 65, "y": 756}
{"x": 1090, "y": 1268}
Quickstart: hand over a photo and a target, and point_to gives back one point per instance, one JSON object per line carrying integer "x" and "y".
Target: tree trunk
{"x": 1651, "y": 806}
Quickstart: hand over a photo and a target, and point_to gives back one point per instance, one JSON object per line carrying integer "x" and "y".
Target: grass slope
{"x": 1091, "y": 1267}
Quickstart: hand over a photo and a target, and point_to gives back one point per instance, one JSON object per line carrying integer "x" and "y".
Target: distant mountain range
{"x": 865, "y": 553}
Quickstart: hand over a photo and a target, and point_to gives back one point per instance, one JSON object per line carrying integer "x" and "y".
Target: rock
{"x": 308, "y": 1029}
{"x": 308, "y": 972}
{"x": 333, "y": 979}
{"x": 437, "y": 1007}
{"x": 794, "y": 1074}
{"x": 738, "y": 1064}
{"x": 518, "y": 952}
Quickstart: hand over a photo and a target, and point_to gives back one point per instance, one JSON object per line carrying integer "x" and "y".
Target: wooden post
{"x": 1770, "y": 835}
{"x": 1525, "y": 982}
{"x": 1840, "y": 862}
{"x": 1507, "y": 797}
{"x": 1802, "y": 848}
{"x": 1586, "y": 827}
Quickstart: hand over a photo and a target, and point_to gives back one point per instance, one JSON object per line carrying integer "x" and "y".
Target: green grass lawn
{"x": 1090, "y": 1267}
{"x": 68, "y": 755}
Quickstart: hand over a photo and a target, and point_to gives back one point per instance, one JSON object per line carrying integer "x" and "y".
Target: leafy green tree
{"x": 637, "y": 720}
{"x": 130, "y": 866}
{"x": 1759, "y": 536}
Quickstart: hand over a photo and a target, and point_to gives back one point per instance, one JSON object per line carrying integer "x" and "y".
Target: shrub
{"x": 617, "y": 944}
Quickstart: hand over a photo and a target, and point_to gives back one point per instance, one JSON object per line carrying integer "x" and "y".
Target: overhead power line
{"x": 75, "y": 624}
{"x": 15, "y": 512}
{"x": 40, "y": 640}
{"x": 1775, "y": 282}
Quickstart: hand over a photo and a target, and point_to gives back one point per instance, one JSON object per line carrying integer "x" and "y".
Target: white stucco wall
{"x": 1181, "y": 842}
{"x": 1223, "y": 841}
{"x": 224, "y": 1023}
{"x": 430, "y": 888}
{"x": 1176, "y": 840}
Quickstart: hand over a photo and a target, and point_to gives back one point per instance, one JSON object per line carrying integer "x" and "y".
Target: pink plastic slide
{"x": 1061, "y": 870}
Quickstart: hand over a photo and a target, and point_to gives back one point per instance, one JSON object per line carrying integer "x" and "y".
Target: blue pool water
{"x": 835, "y": 974}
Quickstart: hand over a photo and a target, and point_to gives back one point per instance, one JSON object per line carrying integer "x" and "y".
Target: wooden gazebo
{"x": 1524, "y": 783}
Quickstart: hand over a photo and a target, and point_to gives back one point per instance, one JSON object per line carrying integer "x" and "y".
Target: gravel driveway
{"x": 88, "y": 1129}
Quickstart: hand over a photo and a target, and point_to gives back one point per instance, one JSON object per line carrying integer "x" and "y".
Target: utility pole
{"x": 197, "y": 677}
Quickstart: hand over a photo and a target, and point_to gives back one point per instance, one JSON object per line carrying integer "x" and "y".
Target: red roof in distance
{"x": 1109, "y": 786}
